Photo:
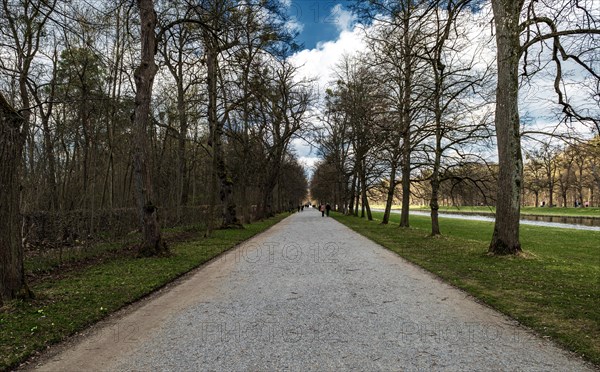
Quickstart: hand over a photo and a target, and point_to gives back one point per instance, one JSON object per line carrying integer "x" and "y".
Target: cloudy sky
{"x": 328, "y": 30}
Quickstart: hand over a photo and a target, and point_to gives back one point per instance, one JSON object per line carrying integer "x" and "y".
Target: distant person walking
{"x": 327, "y": 209}
{"x": 322, "y": 209}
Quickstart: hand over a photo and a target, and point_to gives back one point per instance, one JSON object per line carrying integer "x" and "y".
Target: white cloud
{"x": 343, "y": 19}
{"x": 319, "y": 63}
{"x": 294, "y": 26}
{"x": 308, "y": 162}
{"x": 537, "y": 99}
{"x": 306, "y": 155}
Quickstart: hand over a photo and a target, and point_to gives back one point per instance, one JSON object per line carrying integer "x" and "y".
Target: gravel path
{"x": 311, "y": 295}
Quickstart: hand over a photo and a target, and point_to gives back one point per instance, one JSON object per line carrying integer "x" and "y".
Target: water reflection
{"x": 565, "y": 220}
{"x": 577, "y": 223}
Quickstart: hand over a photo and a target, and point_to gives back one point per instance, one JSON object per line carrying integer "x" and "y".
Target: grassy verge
{"x": 553, "y": 288}
{"x": 68, "y": 304}
{"x": 48, "y": 263}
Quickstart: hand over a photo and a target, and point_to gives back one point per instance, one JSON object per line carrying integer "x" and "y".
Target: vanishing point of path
{"x": 310, "y": 295}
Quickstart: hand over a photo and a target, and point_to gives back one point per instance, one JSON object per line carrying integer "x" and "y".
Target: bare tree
{"x": 537, "y": 29}
{"x": 218, "y": 36}
{"x": 357, "y": 92}
{"x": 533, "y": 176}
{"x": 580, "y": 158}
{"x": 454, "y": 120}
{"x": 22, "y": 27}
{"x": 12, "y": 139}
{"x": 152, "y": 242}
{"x": 45, "y": 106}
{"x": 333, "y": 138}
{"x": 281, "y": 114}
{"x": 401, "y": 39}
{"x": 179, "y": 53}
{"x": 262, "y": 40}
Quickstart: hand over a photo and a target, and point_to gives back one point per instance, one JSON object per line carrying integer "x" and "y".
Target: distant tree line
{"x": 565, "y": 175}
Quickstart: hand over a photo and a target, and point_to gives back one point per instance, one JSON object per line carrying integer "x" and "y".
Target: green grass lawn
{"x": 556, "y": 211}
{"x": 67, "y": 304}
{"x": 553, "y": 288}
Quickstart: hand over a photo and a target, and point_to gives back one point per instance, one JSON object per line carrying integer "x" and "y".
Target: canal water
{"x": 577, "y": 223}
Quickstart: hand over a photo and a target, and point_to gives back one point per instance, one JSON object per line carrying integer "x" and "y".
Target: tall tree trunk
{"x": 152, "y": 242}
{"x": 12, "y": 140}
{"x": 550, "y": 192}
{"x": 357, "y": 197}
{"x": 182, "y": 194}
{"x": 435, "y": 187}
{"x": 362, "y": 189}
{"x": 505, "y": 239}
{"x": 580, "y": 184}
{"x": 367, "y": 207}
{"x": 271, "y": 180}
{"x": 390, "y": 195}
{"x": 85, "y": 127}
{"x": 214, "y": 140}
{"x": 405, "y": 181}
{"x": 246, "y": 146}
{"x": 245, "y": 208}
{"x": 435, "y": 176}
{"x": 265, "y": 209}
{"x": 407, "y": 53}
{"x": 225, "y": 183}
{"x": 434, "y": 205}
{"x": 45, "y": 115}
{"x": 115, "y": 96}
{"x": 51, "y": 171}
{"x": 365, "y": 201}
{"x": 352, "y": 195}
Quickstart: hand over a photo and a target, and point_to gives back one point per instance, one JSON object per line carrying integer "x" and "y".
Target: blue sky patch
{"x": 319, "y": 20}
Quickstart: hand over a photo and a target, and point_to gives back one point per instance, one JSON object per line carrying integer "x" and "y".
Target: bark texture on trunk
{"x": 152, "y": 242}
{"x": 51, "y": 171}
{"x": 225, "y": 182}
{"x": 405, "y": 180}
{"x": 390, "y": 196}
{"x": 52, "y": 194}
{"x": 435, "y": 206}
{"x": 352, "y": 195}
{"x": 406, "y": 105}
{"x": 182, "y": 183}
{"x": 435, "y": 176}
{"x": 265, "y": 209}
{"x": 365, "y": 200}
{"x": 505, "y": 239}
{"x": 12, "y": 140}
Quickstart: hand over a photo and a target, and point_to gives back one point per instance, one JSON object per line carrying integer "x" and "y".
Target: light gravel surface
{"x": 311, "y": 295}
